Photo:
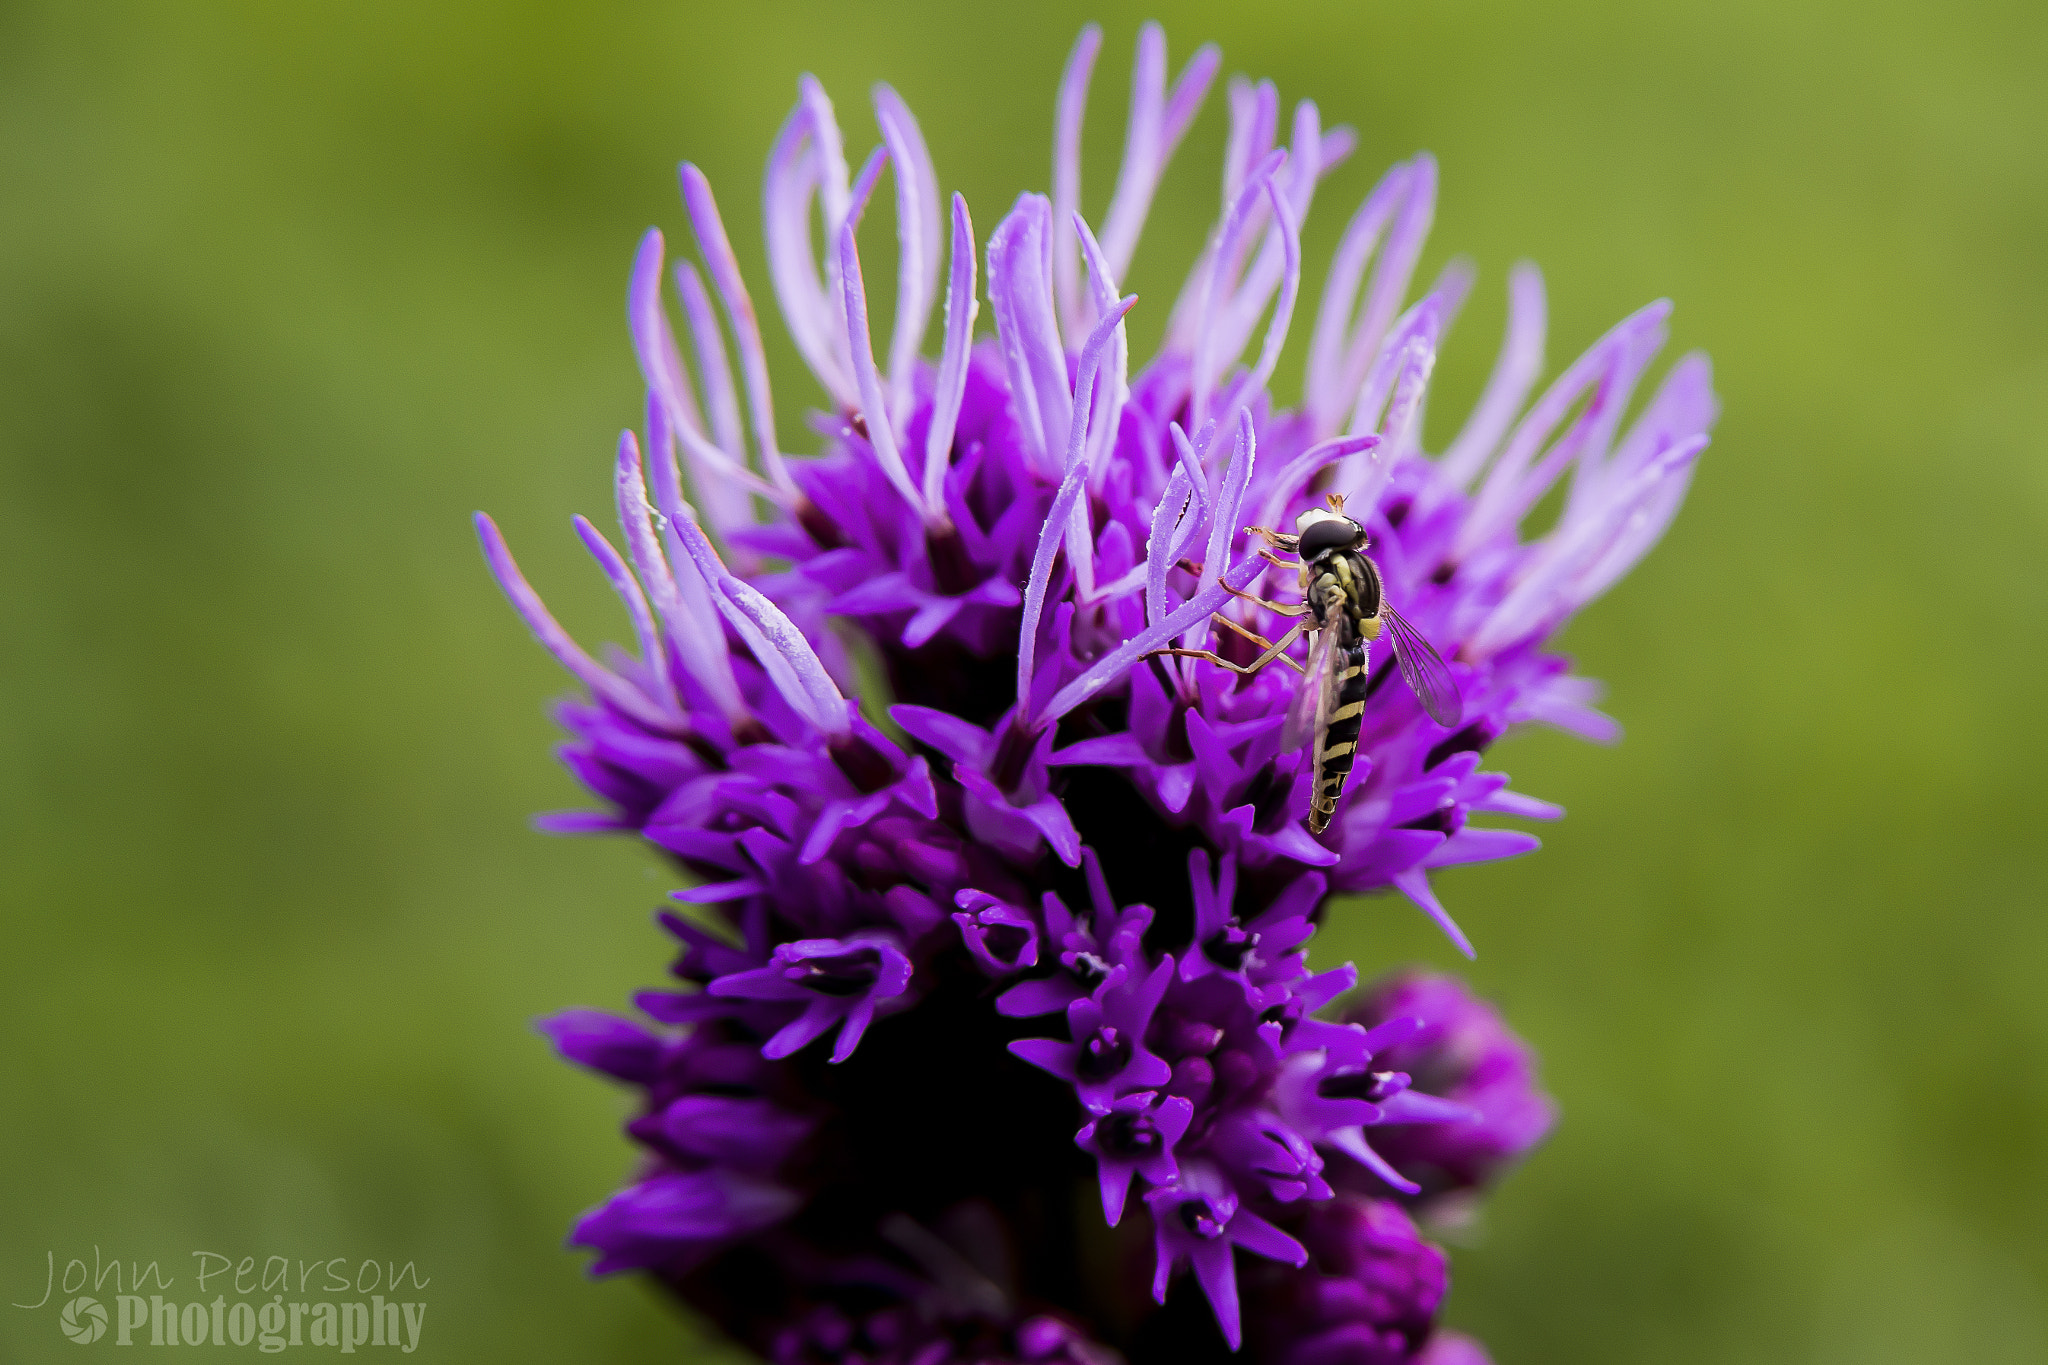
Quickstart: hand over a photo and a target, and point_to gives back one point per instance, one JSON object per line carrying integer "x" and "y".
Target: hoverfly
{"x": 1346, "y": 607}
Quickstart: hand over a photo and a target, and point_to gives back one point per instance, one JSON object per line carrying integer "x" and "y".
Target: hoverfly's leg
{"x": 1211, "y": 656}
{"x": 1279, "y": 540}
{"x": 1272, "y": 650}
{"x": 1276, "y": 561}
{"x": 1276, "y": 650}
{"x": 1279, "y": 609}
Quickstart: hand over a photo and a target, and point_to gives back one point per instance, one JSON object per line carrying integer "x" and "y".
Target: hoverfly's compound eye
{"x": 1327, "y": 532}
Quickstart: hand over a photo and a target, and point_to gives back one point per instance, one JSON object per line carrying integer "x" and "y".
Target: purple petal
{"x": 959, "y": 740}
{"x": 1177, "y": 784}
{"x": 580, "y": 822}
{"x": 739, "y": 312}
{"x": 1505, "y": 802}
{"x": 1542, "y": 598}
{"x": 1511, "y": 487}
{"x": 654, "y": 343}
{"x": 805, "y": 164}
{"x": 1392, "y": 397}
{"x": 1020, "y": 289}
{"x": 951, "y": 384}
{"x": 1412, "y": 1106}
{"x": 1166, "y": 517}
{"x": 1216, "y": 1272}
{"x": 1351, "y": 1142}
{"x": 1278, "y": 263}
{"x": 929, "y": 619}
{"x": 1058, "y": 522}
{"x": 1187, "y": 95}
{"x": 1047, "y": 1055}
{"x": 1471, "y": 845}
{"x": 1115, "y": 1178}
{"x": 661, "y": 364}
{"x": 1218, "y": 284}
{"x": 1138, "y": 176}
{"x": 818, "y": 1016}
{"x": 1325, "y": 392}
{"x": 778, "y": 646}
{"x": 602, "y": 682}
{"x": 702, "y": 653}
{"x": 1237, "y": 475}
{"x": 1411, "y": 370}
{"x": 880, "y": 424}
{"x": 1395, "y": 268}
{"x": 1157, "y": 123}
{"x": 1104, "y": 670}
{"x": 1072, "y": 103}
{"x": 1108, "y": 751}
{"x": 917, "y": 235}
{"x": 652, "y": 1223}
{"x": 1106, "y": 418}
{"x": 606, "y": 1043}
{"x": 628, "y": 588}
{"x": 1261, "y": 1238}
{"x": 1453, "y": 1348}
{"x": 1414, "y": 884}
{"x": 1198, "y": 482}
{"x": 697, "y": 633}
{"x": 851, "y": 1030}
{"x": 1252, "y": 113}
{"x": 1052, "y": 820}
{"x": 1028, "y": 998}
{"x": 709, "y": 343}
{"x": 1507, "y": 388}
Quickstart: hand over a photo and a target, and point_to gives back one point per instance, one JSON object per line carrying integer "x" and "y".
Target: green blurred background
{"x": 286, "y": 291}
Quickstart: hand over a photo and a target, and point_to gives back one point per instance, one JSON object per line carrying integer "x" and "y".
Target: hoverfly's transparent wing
{"x": 1312, "y": 699}
{"x": 1424, "y": 671}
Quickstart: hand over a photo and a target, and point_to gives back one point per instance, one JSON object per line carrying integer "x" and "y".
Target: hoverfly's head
{"x": 1320, "y": 532}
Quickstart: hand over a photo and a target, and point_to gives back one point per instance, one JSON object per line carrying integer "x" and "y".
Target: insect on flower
{"x": 1342, "y": 594}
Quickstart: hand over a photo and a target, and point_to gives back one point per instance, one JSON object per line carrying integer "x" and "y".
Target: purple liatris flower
{"x": 994, "y": 1035}
{"x": 1464, "y": 1053}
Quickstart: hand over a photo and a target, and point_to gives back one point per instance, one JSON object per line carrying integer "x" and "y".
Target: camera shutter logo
{"x": 84, "y": 1320}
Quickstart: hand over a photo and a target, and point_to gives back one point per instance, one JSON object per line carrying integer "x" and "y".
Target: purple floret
{"x": 1134, "y": 1136}
{"x": 1368, "y": 1295}
{"x": 838, "y": 984}
{"x": 1464, "y": 1053}
{"x": 990, "y": 911}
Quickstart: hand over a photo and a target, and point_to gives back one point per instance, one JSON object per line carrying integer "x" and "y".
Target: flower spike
{"x": 1075, "y": 902}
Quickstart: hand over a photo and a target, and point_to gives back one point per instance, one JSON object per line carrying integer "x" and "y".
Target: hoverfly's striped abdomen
{"x": 1338, "y": 744}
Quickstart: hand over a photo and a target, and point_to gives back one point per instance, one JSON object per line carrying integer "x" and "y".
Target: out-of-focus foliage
{"x": 285, "y": 291}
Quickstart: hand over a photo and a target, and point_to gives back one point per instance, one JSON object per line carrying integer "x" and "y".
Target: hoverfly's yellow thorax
{"x": 1344, "y": 590}
{"x": 1326, "y": 598}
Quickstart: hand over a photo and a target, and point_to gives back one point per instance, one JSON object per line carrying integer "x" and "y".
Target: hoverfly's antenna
{"x": 1336, "y": 501}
